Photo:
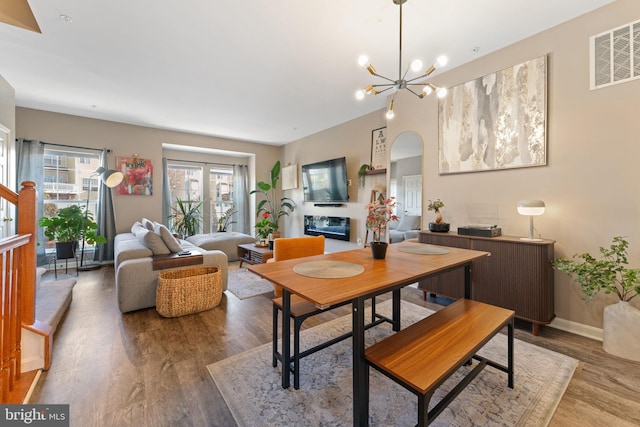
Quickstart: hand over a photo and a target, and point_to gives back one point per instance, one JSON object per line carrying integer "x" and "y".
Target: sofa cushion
{"x": 409, "y": 222}
{"x": 152, "y": 241}
{"x": 168, "y": 239}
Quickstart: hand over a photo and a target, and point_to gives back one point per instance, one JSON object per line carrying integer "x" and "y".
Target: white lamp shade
{"x": 531, "y": 207}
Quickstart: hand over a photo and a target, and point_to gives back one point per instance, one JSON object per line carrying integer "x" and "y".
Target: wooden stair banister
{"x": 18, "y": 267}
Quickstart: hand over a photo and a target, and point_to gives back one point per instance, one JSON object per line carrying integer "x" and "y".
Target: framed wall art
{"x": 495, "y": 122}
{"x": 290, "y": 177}
{"x": 138, "y": 175}
{"x": 379, "y": 148}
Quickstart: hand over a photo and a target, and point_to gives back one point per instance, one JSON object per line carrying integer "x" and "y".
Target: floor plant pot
{"x": 379, "y": 250}
{"x": 66, "y": 250}
{"x": 621, "y": 324}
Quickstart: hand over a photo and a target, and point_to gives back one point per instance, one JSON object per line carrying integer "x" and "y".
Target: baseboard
{"x": 577, "y": 328}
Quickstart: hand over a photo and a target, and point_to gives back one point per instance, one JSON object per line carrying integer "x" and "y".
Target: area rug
{"x": 251, "y": 386}
{"x": 244, "y": 284}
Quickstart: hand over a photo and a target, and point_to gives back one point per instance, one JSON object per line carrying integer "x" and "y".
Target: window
{"x": 188, "y": 183}
{"x": 67, "y": 178}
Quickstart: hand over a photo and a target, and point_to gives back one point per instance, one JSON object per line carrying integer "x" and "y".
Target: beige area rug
{"x": 251, "y": 386}
{"x": 244, "y": 284}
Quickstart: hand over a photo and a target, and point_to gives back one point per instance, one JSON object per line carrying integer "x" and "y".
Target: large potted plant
{"x": 270, "y": 205}
{"x": 610, "y": 275}
{"x": 69, "y": 226}
{"x": 186, "y": 217}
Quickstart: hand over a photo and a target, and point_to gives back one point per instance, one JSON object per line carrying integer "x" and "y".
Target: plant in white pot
{"x": 610, "y": 275}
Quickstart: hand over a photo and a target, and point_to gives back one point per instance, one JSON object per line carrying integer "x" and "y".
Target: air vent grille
{"x": 615, "y": 56}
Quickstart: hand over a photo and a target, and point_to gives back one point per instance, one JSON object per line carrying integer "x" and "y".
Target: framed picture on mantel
{"x": 379, "y": 148}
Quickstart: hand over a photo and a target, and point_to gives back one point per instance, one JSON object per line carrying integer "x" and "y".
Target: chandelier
{"x": 402, "y": 82}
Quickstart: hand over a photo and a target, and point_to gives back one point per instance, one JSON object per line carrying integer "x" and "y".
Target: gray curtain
{"x": 241, "y": 198}
{"x": 105, "y": 216}
{"x": 166, "y": 194}
{"x": 30, "y": 167}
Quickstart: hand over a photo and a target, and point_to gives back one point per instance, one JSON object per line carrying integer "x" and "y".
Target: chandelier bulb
{"x": 363, "y": 61}
{"x": 427, "y": 90}
{"x": 441, "y": 61}
{"x": 360, "y": 94}
{"x": 441, "y": 92}
{"x": 416, "y": 65}
{"x": 390, "y": 114}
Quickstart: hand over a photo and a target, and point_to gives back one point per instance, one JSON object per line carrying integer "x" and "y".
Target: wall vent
{"x": 615, "y": 56}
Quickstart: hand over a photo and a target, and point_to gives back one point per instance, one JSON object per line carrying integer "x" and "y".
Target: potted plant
{"x": 186, "y": 217}
{"x": 226, "y": 219}
{"x": 69, "y": 226}
{"x": 362, "y": 173}
{"x": 270, "y": 205}
{"x": 439, "y": 225}
{"x": 610, "y": 275}
{"x": 380, "y": 212}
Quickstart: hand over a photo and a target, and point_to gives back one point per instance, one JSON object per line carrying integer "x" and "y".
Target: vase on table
{"x": 379, "y": 249}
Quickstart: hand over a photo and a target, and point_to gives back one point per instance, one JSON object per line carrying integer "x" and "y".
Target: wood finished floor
{"x": 140, "y": 369}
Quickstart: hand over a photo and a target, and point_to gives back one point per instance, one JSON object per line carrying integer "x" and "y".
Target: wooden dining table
{"x": 379, "y": 276}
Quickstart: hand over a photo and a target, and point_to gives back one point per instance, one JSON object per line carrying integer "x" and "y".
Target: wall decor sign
{"x": 495, "y": 122}
{"x": 379, "y": 148}
{"x": 290, "y": 177}
{"x": 137, "y": 176}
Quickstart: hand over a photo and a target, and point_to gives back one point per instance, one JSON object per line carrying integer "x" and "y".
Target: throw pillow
{"x": 147, "y": 223}
{"x": 137, "y": 226}
{"x": 153, "y": 241}
{"x": 409, "y": 222}
{"x": 168, "y": 239}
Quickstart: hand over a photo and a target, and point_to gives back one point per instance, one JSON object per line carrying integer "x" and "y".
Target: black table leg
{"x": 360, "y": 374}
{"x": 396, "y": 310}
{"x": 286, "y": 335}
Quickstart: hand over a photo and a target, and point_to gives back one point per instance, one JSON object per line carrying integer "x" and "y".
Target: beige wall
{"x": 590, "y": 182}
{"x": 125, "y": 140}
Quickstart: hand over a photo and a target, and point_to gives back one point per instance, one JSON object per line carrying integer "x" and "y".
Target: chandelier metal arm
{"x": 419, "y": 95}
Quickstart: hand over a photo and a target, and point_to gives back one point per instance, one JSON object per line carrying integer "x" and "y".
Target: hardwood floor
{"x": 140, "y": 369}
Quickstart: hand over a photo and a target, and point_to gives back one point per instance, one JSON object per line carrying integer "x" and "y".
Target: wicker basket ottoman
{"x": 188, "y": 290}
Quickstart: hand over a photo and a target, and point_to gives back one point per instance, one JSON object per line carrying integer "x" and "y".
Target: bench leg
{"x": 423, "y": 409}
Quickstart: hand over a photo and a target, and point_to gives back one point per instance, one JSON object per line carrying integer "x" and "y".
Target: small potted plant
{"x": 380, "y": 212}
{"x": 69, "y": 226}
{"x": 362, "y": 173}
{"x": 264, "y": 229}
{"x": 226, "y": 219}
{"x": 611, "y": 275}
{"x": 439, "y": 225}
{"x": 186, "y": 217}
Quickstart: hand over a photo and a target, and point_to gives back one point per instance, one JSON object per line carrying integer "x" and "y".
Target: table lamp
{"x": 531, "y": 208}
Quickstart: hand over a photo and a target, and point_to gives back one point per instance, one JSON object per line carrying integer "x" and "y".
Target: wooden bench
{"x": 422, "y": 356}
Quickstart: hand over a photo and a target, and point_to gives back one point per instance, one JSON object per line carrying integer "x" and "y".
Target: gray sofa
{"x": 226, "y": 242}
{"x": 406, "y": 228}
{"x": 136, "y": 280}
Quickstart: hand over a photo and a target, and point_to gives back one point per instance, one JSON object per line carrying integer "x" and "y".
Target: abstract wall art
{"x": 495, "y": 122}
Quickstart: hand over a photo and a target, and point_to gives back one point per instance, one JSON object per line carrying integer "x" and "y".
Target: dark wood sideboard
{"x": 518, "y": 275}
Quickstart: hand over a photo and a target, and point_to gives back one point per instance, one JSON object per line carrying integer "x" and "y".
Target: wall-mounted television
{"x": 325, "y": 182}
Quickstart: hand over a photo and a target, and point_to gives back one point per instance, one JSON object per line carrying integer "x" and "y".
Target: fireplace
{"x": 331, "y": 227}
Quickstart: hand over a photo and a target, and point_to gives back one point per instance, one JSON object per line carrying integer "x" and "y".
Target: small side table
{"x": 253, "y": 254}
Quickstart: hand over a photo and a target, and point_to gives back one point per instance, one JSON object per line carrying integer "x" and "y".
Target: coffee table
{"x": 253, "y": 254}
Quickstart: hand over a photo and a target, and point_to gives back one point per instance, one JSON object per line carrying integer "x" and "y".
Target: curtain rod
{"x": 204, "y": 163}
{"x": 77, "y": 147}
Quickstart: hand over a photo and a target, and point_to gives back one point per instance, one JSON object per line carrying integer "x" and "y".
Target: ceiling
{"x": 262, "y": 71}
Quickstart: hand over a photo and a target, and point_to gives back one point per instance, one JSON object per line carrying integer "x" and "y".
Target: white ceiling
{"x": 264, "y": 71}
